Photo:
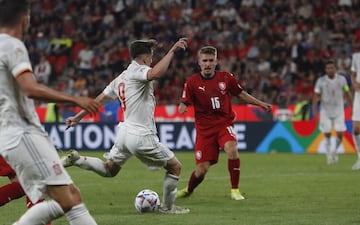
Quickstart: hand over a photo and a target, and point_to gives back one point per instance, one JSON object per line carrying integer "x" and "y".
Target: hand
{"x": 71, "y": 121}
{"x": 182, "y": 108}
{"x": 267, "y": 107}
{"x": 88, "y": 104}
{"x": 181, "y": 43}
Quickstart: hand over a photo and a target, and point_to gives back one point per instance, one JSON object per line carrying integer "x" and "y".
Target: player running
{"x": 210, "y": 93}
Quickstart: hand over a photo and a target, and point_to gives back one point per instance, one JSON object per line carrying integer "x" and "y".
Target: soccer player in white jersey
{"x": 355, "y": 80}
{"x": 24, "y": 144}
{"x": 330, "y": 90}
{"x": 137, "y": 135}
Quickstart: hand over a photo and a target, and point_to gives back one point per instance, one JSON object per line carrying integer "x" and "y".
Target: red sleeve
{"x": 186, "y": 94}
{"x": 234, "y": 87}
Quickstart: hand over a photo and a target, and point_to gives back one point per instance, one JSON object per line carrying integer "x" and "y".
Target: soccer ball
{"x": 147, "y": 201}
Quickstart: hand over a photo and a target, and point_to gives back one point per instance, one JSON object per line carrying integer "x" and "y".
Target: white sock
{"x": 41, "y": 213}
{"x": 357, "y": 144}
{"x": 169, "y": 190}
{"x": 94, "y": 164}
{"x": 79, "y": 215}
{"x": 327, "y": 144}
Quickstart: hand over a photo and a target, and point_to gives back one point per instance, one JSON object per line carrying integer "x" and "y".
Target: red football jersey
{"x": 211, "y": 98}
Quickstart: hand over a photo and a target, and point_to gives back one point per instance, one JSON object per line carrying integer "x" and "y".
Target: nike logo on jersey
{"x": 202, "y": 88}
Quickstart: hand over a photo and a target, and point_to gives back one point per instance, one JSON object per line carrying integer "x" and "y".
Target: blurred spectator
{"x": 42, "y": 70}
{"x": 293, "y": 38}
{"x": 85, "y": 60}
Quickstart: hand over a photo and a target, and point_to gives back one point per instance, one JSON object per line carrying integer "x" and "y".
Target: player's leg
{"x": 151, "y": 152}
{"x": 356, "y": 128}
{"x": 340, "y": 127}
{"x": 325, "y": 126}
{"x": 171, "y": 179}
{"x": 116, "y": 157}
{"x": 12, "y": 190}
{"x": 29, "y": 204}
{"x": 356, "y": 137}
{"x": 328, "y": 150}
{"x": 227, "y": 141}
{"x": 234, "y": 169}
{"x": 41, "y": 174}
{"x": 103, "y": 168}
{"x": 206, "y": 154}
{"x": 196, "y": 178}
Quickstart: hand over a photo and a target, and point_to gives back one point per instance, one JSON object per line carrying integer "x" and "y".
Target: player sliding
{"x": 137, "y": 134}
{"x": 210, "y": 93}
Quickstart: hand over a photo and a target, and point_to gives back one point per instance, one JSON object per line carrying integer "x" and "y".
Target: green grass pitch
{"x": 281, "y": 189}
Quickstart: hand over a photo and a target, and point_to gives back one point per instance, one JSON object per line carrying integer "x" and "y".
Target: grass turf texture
{"x": 283, "y": 188}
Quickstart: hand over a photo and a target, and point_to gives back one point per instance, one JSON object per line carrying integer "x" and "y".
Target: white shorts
{"x": 147, "y": 148}
{"x": 356, "y": 107}
{"x": 37, "y": 164}
{"x": 327, "y": 123}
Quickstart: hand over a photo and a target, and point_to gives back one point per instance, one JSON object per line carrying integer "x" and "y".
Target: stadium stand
{"x": 275, "y": 48}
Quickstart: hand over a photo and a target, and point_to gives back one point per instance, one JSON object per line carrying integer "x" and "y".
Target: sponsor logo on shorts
{"x": 198, "y": 154}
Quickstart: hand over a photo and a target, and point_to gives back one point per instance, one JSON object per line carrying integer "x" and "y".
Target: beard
{"x": 207, "y": 72}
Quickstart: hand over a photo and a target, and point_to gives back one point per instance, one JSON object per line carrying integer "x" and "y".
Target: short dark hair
{"x": 210, "y": 50}
{"x": 11, "y": 11}
{"x": 140, "y": 47}
{"x": 330, "y": 61}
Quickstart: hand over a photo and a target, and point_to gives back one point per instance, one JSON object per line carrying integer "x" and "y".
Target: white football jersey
{"x": 355, "y": 65}
{"x": 17, "y": 112}
{"x": 332, "y": 94}
{"x": 137, "y": 98}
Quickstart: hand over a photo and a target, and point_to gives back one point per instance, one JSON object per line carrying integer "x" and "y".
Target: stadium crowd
{"x": 275, "y": 48}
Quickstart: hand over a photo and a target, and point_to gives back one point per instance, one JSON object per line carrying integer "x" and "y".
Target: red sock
{"x": 194, "y": 182}
{"x": 10, "y": 192}
{"x": 29, "y": 204}
{"x": 234, "y": 170}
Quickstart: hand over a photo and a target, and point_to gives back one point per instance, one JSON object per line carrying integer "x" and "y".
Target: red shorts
{"x": 207, "y": 146}
{"x": 5, "y": 169}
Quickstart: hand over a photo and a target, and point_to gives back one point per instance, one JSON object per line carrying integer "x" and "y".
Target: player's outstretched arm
{"x": 254, "y": 101}
{"x": 161, "y": 67}
{"x": 38, "y": 91}
{"x": 73, "y": 120}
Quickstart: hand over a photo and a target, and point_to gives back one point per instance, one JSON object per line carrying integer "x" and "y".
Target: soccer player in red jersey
{"x": 210, "y": 93}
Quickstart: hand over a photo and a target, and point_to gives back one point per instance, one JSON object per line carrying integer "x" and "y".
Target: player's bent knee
{"x": 174, "y": 167}
{"x": 112, "y": 168}
{"x": 67, "y": 196}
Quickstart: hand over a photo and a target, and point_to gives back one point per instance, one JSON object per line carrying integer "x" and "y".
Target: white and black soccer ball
{"x": 147, "y": 201}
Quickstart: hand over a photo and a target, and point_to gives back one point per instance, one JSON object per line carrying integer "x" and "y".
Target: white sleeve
{"x": 111, "y": 90}
{"x": 141, "y": 73}
{"x": 353, "y": 64}
{"x": 317, "y": 88}
{"x": 18, "y": 59}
